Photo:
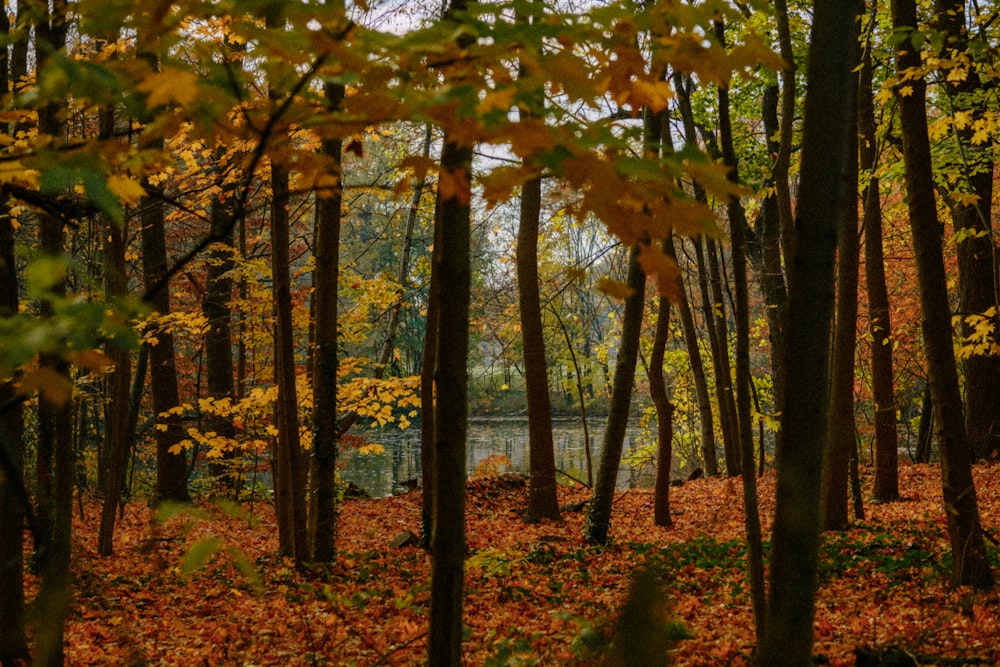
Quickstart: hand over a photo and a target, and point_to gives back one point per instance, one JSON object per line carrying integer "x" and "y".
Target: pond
{"x": 381, "y": 474}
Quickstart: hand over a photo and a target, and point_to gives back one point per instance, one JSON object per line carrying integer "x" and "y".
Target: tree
{"x": 323, "y": 510}
{"x": 805, "y": 434}
{"x": 970, "y": 565}
{"x": 13, "y": 497}
{"x": 598, "y": 520}
{"x": 118, "y": 352}
{"x": 738, "y": 232}
{"x": 219, "y": 336}
{"x": 971, "y": 206}
{"x": 54, "y": 456}
{"x": 543, "y": 502}
{"x": 453, "y": 268}
{"x": 843, "y": 431}
{"x": 886, "y": 485}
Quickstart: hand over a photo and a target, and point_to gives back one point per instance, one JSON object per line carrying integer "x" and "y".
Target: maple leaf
{"x": 171, "y": 85}
{"x": 614, "y": 288}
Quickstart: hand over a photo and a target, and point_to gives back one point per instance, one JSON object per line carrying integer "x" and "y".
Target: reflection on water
{"x": 381, "y": 474}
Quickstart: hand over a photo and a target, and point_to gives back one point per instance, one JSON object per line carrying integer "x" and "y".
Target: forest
{"x": 244, "y": 240}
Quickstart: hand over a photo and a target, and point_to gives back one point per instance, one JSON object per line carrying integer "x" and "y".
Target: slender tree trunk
{"x": 451, "y": 412}
{"x": 219, "y": 342}
{"x": 598, "y": 520}
{"x": 664, "y": 416}
{"x": 691, "y": 340}
{"x": 454, "y": 269}
{"x": 970, "y": 565}
{"x": 543, "y": 502}
{"x": 886, "y": 486}
{"x": 783, "y": 157}
{"x": 795, "y": 537}
{"x": 290, "y": 481}
{"x": 427, "y": 389}
{"x": 925, "y": 427}
{"x": 290, "y": 492}
{"x": 843, "y": 435}
{"x": 728, "y": 415}
{"x": 326, "y": 277}
{"x": 115, "y": 235}
{"x": 13, "y": 639}
{"x": 768, "y": 266}
{"x": 738, "y": 230}
{"x": 171, "y": 460}
{"x": 54, "y": 454}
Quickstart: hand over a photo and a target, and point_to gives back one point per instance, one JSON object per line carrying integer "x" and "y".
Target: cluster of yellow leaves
{"x": 384, "y": 401}
{"x": 178, "y": 322}
{"x": 981, "y": 340}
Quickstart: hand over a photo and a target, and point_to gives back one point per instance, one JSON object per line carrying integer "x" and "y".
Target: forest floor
{"x": 204, "y": 587}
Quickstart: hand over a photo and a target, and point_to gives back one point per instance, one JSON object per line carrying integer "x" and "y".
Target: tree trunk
{"x": 724, "y": 376}
{"x": 13, "y": 639}
{"x": 543, "y": 502}
{"x": 795, "y": 537}
{"x": 451, "y": 411}
{"x": 664, "y": 416}
{"x": 843, "y": 435}
{"x": 290, "y": 491}
{"x": 738, "y": 229}
{"x": 119, "y": 382}
{"x": 977, "y": 281}
{"x": 768, "y": 264}
{"x": 428, "y": 391}
{"x": 886, "y": 485}
{"x": 691, "y": 340}
{"x": 326, "y": 279}
{"x": 219, "y": 365}
{"x": 599, "y": 512}
{"x": 54, "y": 454}
{"x": 970, "y": 566}
{"x": 171, "y": 466}
{"x": 454, "y": 270}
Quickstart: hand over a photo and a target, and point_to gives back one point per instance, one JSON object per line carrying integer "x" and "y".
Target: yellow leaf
{"x": 905, "y": 91}
{"x": 48, "y": 382}
{"x": 127, "y": 189}
{"x": 614, "y": 288}
{"x": 655, "y": 263}
{"x": 170, "y": 85}
{"x": 92, "y": 360}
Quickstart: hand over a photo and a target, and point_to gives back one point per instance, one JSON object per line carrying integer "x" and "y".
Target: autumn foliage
{"x": 204, "y": 586}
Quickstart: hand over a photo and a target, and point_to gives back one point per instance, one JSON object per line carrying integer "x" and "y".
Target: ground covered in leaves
{"x": 205, "y": 588}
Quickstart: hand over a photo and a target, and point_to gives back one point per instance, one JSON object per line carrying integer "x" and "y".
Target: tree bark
{"x": 543, "y": 501}
{"x": 768, "y": 263}
{"x": 326, "y": 277}
{"x": 13, "y": 638}
{"x": 664, "y": 415}
{"x": 451, "y": 411}
{"x": 977, "y": 278}
{"x": 795, "y": 537}
{"x": 738, "y": 230}
{"x": 219, "y": 364}
{"x": 598, "y": 520}
{"x": 970, "y": 565}
{"x": 886, "y": 485}
{"x": 836, "y": 471}
{"x": 453, "y": 268}
{"x": 54, "y": 454}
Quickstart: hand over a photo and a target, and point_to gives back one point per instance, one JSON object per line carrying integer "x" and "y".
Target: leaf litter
{"x": 205, "y": 587}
